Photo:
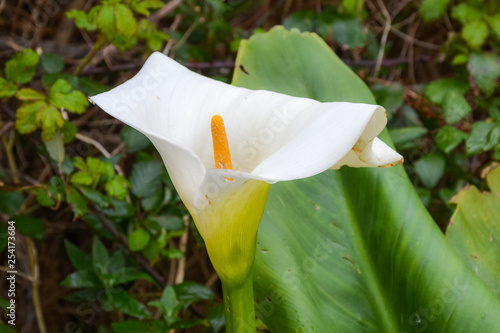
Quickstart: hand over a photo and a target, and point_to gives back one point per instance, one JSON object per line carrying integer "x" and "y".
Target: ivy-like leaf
{"x": 7, "y": 88}
{"x": 117, "y": 187}
{"x": 432, "y": 9}
{"x": 475, "y": 33}
{"x": 62, "y": 96}
{"x": 106, "y": 21}
{"x": 77, "y": 202}
{"x": 26, "y": 115}
{"x": 28, "y": 94}
{"x": 21, "y": 68}
{"x": 126, "y": 24}
{"x": 83, "y": 20}
{"x": 49, "y": 119}
{"x": 52, "y": 63}
{"x": 485, "y": 70}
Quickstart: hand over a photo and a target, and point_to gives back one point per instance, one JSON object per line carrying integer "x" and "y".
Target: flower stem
{"x": 239, "y": 307}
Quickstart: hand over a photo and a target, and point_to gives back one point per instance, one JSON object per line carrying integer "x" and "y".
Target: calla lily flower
{"x": 272, "y": 137}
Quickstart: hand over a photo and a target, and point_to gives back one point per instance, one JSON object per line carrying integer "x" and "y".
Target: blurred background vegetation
{"x": 104, "y": 243}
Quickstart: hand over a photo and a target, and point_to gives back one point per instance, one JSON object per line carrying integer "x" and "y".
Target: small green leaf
{"x": 100, "y": 258}
{"x": 77, "y": 202}
{"x": 79, "y": 259}
{"x": 30, "y": 226}
{"x": 455, "y": 106}
{"x": 485, "y": 70}
{"x": 494, "y": 22}
{"x": 10, "y": 202}
{"x": 448, "y": 138}
{"x": 7, "y": 88}
{"x": 128, "y": 304}
{"x": 91, "y": 87}
{"x": 216, "y": 318}
{"x": 475, "y": 33}
{"x": 28, "y": 94}
{"x": 55, "y": 147}
{"x": 62, "y": 96}
{"x": 96, "y": 166}
{"x": 189, "y": 292}
{"x": 52, "y": 63}
{"x": 81, "y": 178}
{"x": 135, "y": 140}
{"x": 390, "y": 97}
{"x": 44, "y": 198}
{"x": 83, "y": 20}
{"x": 82, "y": 279}
{"x": 479, "y": 136}
{"x": 432, "y": 9}
{"x": 50, "y": 120}
{"x": 437, "y": 90}
{"x": 170, "y": 222}
{"x": 404, "y": 137}
{"x": 430, "y": 169}
{"x": 465, "y": 13}
{"x": 26, "y": 115}
{"x": 138, "y": 239}
{"x": 21, "y": 68}
{"x": 106, "y": 21}
{"x": 48, "y": 79}
{"x": 125, "y": 21}
{"x": 69, "y": 131}
{"x": 117, "y": 187}
{"x": 304, "y": 20}
{"x": 145, "y": 177}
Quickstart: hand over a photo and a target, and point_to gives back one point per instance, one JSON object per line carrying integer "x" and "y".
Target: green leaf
{"x": 128, "y": 304}
{"x": 189, "y": 292}
{"x": 485, "y": 70}
{"x": 117, "y": 187}
{"x": 479, "y": 136}
{"x": 390, "y": 97}
{"x": 21, "y": 68}
{"x": 48, "y": 79}
{"x": 465, "y": 13}
{"x": 30, "y": 226}
{"x": 25, "y": 116}
{"x": 69, "y": 131}
{"x": 337, "y": 251}
{"x": 83, "y": 20}
{"x": 131, "y": 326}
{"x": 475, "y": 33}
{"x": 436, "y": 90}
{"x": 100, "y": 257}
{"x": 125, "y": 21}
{"x": 10, "y": 202}
{"x": 135, "y": 140}
{"x": 50, "y": 120}
{"x": 448, "y": 138}
{"x": 106, "y": 20}
{"x": 145, "y": 177}
{"x": 79, "y": 259}
{"x": 7, "y": 329}
{"x": 82, "y": 279}
{"x": 216, "y": 318}
{"x": 7, "y": 88}
{"x": 55, "y": 147}
{"x": 432, "y": 9}
{"x": 474, "y": 229}
{"x": 81, "y": 178}
{"x": 90, "y": 87}
{"x": 138, "y": 239}
{"x": 304, "y": 20}
{"x": 404, "y": 137}
{"x": 28, "y": 94}
{"x": 455, "y": 106}
{"x": 430, "y": 169}
{"x": 62, "y": 97}
{"x": 494, "y": 22}
{"x": 44, "y": 198}
{"x": 52, "y": 63}
{"x": 77, "y": 203}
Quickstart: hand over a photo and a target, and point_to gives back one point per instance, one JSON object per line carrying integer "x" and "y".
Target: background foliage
{"x": 104, "y": 243}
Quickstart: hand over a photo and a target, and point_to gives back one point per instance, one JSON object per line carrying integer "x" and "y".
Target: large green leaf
{"x": 474, "y": 229}
{"x": 351, "y": 250}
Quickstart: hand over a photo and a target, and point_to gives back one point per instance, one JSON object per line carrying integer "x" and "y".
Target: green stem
{"x": 239, "y": 307}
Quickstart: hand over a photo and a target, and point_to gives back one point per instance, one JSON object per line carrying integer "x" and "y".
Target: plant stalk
{"x": 239, "y": 307}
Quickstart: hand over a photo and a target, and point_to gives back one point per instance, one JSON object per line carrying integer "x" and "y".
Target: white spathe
{"x": 272, "y": 137}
